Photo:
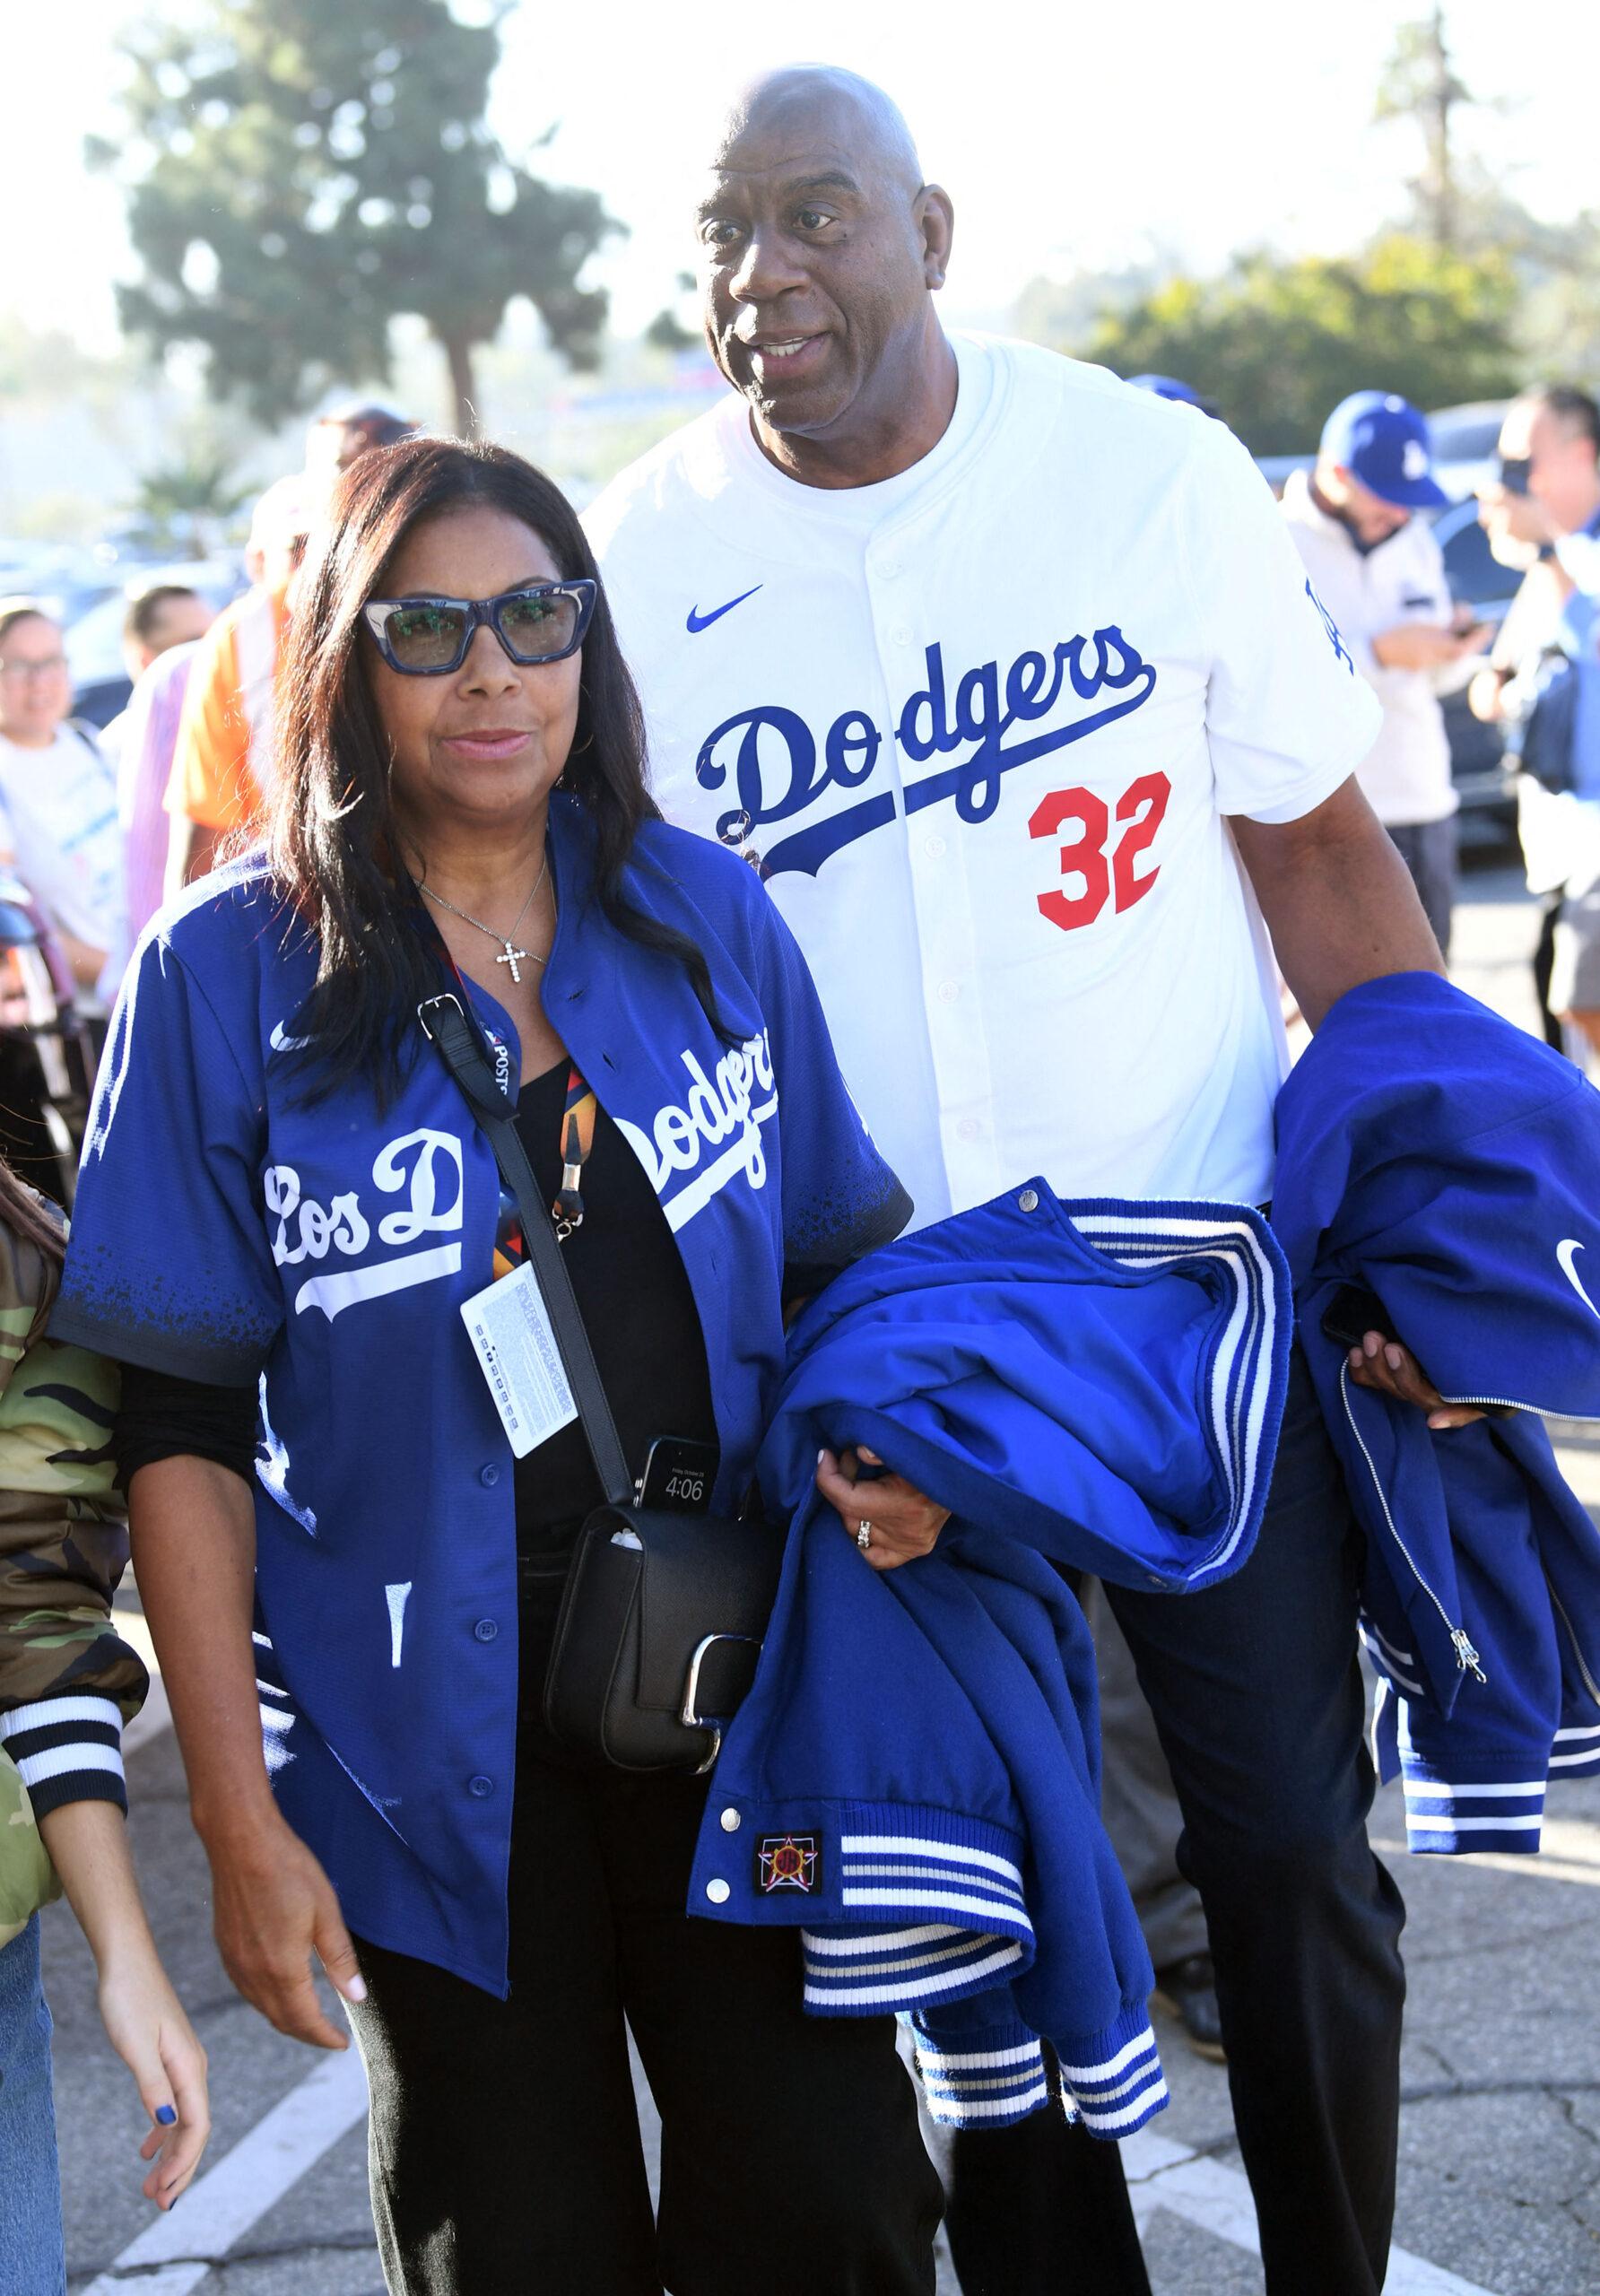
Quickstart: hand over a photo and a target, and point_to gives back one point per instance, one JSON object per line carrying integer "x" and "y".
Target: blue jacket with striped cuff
{"x": 1436, "y": 1156}
{"x": 914, "y": 1779}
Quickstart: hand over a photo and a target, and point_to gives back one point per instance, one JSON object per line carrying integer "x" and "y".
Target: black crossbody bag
{"x": 662, "y": 1614}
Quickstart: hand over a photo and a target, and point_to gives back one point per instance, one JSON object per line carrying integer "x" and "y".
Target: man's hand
{"x": 1424, "y": 646}
{"x": 1391, "y": 1369}
{"x": 904, "y": 1523}
{"x": 274, "y": 1908}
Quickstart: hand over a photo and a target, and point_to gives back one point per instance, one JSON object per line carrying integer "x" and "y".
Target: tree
{"x": 1419, "y": 84}
{"x": 298, "y": 175}
{"x": 186, "y": 505}
{"x": 1277, "y": 344}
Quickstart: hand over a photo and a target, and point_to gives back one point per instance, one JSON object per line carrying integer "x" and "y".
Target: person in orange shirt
{"x": 222, "y": 766}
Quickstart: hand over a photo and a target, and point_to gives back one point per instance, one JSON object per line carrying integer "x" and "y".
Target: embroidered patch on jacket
{"x": 788, "y": 1861}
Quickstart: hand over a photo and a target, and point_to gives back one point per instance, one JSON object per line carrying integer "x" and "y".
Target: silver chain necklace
{"x": 510, "y": 955}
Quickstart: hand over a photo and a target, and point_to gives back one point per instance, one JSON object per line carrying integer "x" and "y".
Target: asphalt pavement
{"x": 1500, "y": 2168}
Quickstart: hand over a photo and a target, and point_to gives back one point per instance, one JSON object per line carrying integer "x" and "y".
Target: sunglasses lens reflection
{"x": 535, "y": 625}
{"x": 425, "y": 638}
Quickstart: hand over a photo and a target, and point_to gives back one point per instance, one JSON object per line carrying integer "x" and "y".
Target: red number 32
{"x": 1142, "y": 806}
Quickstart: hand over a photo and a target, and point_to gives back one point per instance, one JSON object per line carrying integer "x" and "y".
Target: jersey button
{"x": 480, "y": 1786}
{"x": 935, "y": 847}
{"x": 888, "y": 568}
{"x": 729, "y": 1822}
{"x": 718, "y": 1892}
{"x": 967, "y": 1128}
{"x": 947, "y": 992}
{"x": 485, "y": 1630}
{"x": 901, "y": 634}
{"x": 489, "y": 1475}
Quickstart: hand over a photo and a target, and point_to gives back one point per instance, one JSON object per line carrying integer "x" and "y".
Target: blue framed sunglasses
{"x": 428, "y": 638}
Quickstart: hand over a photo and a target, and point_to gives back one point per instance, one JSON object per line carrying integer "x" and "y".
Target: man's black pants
{"x": 505, "y": 2146}
{"x": 1257, "y": 1696}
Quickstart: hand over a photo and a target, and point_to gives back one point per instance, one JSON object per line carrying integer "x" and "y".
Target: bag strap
{"x": 460, "y": 1046}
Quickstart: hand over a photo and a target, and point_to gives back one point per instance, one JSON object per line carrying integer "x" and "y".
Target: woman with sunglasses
{"x": 285, "y": 1191}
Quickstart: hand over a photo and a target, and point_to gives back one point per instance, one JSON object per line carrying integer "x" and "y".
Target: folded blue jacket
{"x": 914, "y": 1779}
{"x": 1443, "y": 1159}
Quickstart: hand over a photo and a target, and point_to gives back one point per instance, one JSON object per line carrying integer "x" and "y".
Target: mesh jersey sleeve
{"x": 169, "y": 1263}
{"x": 1287, "y": 717}
{"x": 840, "y": 1200}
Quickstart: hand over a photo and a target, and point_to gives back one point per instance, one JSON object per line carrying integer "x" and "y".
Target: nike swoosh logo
{"x": 698, "y": 622}
{"x": 1566, "y": 1252}
{"x": 281, "y": 1043}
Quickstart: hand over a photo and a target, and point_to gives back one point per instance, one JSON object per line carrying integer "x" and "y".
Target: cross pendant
{"x": 510, "y": 959}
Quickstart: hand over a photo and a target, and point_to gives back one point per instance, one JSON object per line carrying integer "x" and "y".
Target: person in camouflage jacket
{"x": 68, "y": 1682}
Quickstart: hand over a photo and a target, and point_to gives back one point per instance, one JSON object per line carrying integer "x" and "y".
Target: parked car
{"x": 1465, "y": 443}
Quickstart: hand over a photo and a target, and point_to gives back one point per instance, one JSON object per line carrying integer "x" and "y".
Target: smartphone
{"x": 1351, "y": 1313}
{"x": 678, "y": 1475}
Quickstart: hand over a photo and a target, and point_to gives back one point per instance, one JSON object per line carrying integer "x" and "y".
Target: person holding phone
{"x": 1376, "y": 567}
{"x": 350, "y": 1561}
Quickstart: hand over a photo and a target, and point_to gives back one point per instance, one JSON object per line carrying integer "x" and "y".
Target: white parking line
{"x": 218, "y": 2211}
{"x": 1162, "y": 2174}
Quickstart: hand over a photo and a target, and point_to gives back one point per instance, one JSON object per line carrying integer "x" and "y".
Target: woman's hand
{"x": 1391, "y": 1369}
{"x": 904, "y": 1523}
{"x": 146, "y": 2026}
{"x": 275, "y": 1909}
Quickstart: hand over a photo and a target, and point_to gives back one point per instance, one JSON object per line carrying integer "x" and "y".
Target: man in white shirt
{"x": 1008, "y": 677}
{"x": 1379, "y": 570}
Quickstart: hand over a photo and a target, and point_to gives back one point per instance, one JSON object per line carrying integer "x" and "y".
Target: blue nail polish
{"x": 166, "y": 2115}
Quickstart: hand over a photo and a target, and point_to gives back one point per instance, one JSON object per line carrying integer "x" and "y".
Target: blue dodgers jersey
{"x": 225, "y": 1231}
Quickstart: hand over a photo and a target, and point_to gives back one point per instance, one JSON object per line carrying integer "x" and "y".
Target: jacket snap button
{"x": 480, "y": 1786}
{"x": 489, "y": 1476}
{"x": 485, "y": 1630}
{"x": 718, "y": 1891}
{"x": 1029, "y": 1199}
{"x": 730, "y": 1821}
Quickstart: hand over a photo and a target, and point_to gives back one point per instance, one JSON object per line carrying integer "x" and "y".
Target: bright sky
{"x": 1069, "y": 138}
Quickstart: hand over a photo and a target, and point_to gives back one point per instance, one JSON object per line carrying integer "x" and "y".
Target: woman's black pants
{"x": 505, "y": 2147}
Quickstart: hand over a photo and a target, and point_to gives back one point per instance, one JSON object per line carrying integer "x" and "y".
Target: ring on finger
{"x": 864, "y": 1535}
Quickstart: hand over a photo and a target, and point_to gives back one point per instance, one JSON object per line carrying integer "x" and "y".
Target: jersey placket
{"x": 935, "y": 847}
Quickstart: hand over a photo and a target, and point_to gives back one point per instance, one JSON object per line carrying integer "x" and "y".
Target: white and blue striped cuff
{"x": 863, "y": 1972}
{"x": 1444, "y": 1819}
{"x": 981, "y": 2088}
{"x": 1117, "y": 2093}
{"x": 1576, "y": 1751}
{"x": 66, "y": 1750}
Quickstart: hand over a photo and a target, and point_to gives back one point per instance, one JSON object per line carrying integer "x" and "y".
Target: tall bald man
{"x": 1009, "y": 679}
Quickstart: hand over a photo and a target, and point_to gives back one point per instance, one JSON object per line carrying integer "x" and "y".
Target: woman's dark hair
{"x": 333, "y": 843}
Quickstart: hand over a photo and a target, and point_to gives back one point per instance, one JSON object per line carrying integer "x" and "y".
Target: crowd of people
{"x": 812, "y": 753}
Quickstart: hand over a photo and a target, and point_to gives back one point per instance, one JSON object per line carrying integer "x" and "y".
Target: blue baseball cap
{"x": 1381, "y": 440}
{"x": 1166, "y": 387}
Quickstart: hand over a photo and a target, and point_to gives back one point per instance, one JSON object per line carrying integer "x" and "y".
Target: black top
{"x": 637, "y": 1307}
{"x": 638, "y": 1311}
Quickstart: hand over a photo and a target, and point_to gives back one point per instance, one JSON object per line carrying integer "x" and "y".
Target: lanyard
{"x": 578, "y": 1137}
{"x": 578, "y": 1110}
